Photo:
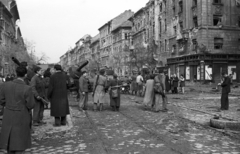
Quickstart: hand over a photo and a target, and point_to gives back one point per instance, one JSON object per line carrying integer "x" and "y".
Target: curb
{"x": 225, "y": 124}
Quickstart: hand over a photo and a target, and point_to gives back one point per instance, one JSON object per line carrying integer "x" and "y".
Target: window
{"x": 174, "y": 10}
{"x": 217, "y": 1}
{"x": 180, "y": 6}
{"x": 126, "y": 36}
{"x": 160, "y": 7}
{"x": 239, "y": 43}
{"x": 218, "y": 43}
{"x": 195, "y": 22}
{"x": 165, "y": 45}
{"x": 194, "y": 47}
{"x": 194, "y": 2}
{"x": 239, "y": 21}
{"x": 181, "y": 26}
{"x": 217, "y": 20}
{"x": 174, "y": 48}
{"x": 175, "y": 30}
{"x": 160, "y": 27}
{"x": 165, "y": 25}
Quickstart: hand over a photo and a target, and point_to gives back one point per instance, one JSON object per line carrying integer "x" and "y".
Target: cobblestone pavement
{"x": 136, "y": 130}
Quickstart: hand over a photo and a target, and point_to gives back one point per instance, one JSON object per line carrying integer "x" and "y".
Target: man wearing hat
{"x": 57, "y": 95}
{"x": 38, "y": 87}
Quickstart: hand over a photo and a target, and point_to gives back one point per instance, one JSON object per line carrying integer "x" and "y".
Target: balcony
{"x": 194, "y": 11}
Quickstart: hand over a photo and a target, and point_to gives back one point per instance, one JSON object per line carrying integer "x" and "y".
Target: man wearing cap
{"x": 57, "y": 95}
{"x": 83, "y": 91}
{"x": 38, "y": 87}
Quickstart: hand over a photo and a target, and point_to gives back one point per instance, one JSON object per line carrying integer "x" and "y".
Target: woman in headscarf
{"x": 149, "y": 93}
{"x": 114, "y": 93}
{"x": 99, "y": 85}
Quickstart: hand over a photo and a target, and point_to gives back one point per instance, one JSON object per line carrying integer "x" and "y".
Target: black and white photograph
{"x": 120, "y": 77}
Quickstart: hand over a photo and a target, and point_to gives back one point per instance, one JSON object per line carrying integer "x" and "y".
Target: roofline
{"x": 105, "y": 25}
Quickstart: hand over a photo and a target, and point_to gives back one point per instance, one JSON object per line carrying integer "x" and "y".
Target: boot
{"x": 95, "y": 107}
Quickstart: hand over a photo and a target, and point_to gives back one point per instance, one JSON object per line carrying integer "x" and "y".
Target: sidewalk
{"x": 47, "y": 130}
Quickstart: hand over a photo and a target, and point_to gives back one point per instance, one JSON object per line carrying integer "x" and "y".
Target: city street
{"x": 135, "y": 130}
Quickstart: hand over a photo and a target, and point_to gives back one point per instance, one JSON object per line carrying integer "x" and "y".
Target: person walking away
{"x": 225, "y": 84}
{"x": 18, "y": 99}
{"x": 160, "y": 93}
{"x": 149, "y": 93}
{"x": 114, "y": 93}
{"x": 139, "y": 81}
{"x": 175, "y": 84}
{"x": 167, "y": 82}
{"x": 83, "y": 91}
{"x": 100, "y": 86}
{"x": 57, "y": 95}
{"x": 182, "y": 83}
{"x": 38, "y": 86}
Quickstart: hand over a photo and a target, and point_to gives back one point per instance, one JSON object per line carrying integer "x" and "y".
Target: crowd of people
{"x": 26, "y": 96}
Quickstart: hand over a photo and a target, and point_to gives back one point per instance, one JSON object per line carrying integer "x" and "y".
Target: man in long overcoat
{"x": 18, "y": 99}
{"x": 225, "y": 91}
{"x": 57, "y": 95}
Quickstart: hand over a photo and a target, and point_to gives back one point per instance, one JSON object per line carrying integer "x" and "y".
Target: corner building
{"x": 200, "y": 38}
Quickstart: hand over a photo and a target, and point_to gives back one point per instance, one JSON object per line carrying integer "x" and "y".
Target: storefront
{"x": 205, "y": 67}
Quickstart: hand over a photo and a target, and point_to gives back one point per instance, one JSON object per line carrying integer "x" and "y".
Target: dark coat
{"x": 57, "y": 95}
{"x": 175, "y": 81}
{"x": 113, "y": 101}
{"x": 17, "y": 97}
{"x": 167, "y": 82}
{"x": 226, "y": 85}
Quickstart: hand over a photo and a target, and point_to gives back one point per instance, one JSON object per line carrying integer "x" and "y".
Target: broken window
{"x": 195, "y": 22}
{"x": 194, "y": 2}
{"x": 217, "y": 1}
{"x": 180, "y": 6}
{"x": 217, "y": 20}
{"x": 218, "y": 43}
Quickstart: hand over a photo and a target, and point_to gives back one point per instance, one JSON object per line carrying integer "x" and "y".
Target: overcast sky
{"x": 55, "y": 25}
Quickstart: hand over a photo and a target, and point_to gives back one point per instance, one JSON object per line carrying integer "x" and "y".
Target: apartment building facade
{"x": 200, "y": 38}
